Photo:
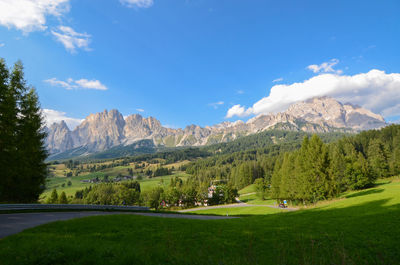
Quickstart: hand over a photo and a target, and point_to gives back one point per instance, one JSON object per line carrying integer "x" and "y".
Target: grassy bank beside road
{"x": 360, "y": 228}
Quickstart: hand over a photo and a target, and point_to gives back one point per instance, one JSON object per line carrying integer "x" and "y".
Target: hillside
{"x": 360, "y": 228}
{"x": 109, "y": 129}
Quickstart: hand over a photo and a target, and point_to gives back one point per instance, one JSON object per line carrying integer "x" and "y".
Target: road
{"x": 17, "y": 222}
{"x": 234, "y": 205}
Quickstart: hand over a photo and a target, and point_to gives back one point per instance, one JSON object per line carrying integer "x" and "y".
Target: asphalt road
{"x": 17, "y": 222}
{"x": 234, "y": 205}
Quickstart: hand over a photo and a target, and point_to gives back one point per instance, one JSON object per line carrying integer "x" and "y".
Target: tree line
{"x": 178, "y": 193}
{"x": 309, "y": 171}
{"x": 22, "y": 152}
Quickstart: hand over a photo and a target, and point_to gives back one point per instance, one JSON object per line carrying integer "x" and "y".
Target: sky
{"x": 203, "y": 61}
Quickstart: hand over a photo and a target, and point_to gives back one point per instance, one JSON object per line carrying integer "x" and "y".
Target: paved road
{"x": 17, "y": 222}
{"x": 234, "y": 205}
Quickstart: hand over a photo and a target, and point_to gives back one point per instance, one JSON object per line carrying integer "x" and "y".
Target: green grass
{"x": 254, "y": 199}
{"x": 56, "y": 182}
{"x": 148, "y": 184}
{"x": 248, "y": 189}
{"x": 253, "y": 210}
{"x": 145, "y": 184}
{"x": 362, "y": 227}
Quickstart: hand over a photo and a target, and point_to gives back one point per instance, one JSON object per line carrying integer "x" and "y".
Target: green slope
{"x": 360, "y": 228}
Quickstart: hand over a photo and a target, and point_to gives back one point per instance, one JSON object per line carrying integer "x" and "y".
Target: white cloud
{"x": 137, "y": 3}
{"x": 71, "y": 39}
{"x": 240, "y": 92}
{"x": 237, "y": 110}
{"x": 374, "y": 90}
{"x": 30, "y": 15}
{"x": 277, "y": 80}
{"x": 215, "y": 105}
{"x": 91, "y": 84}
{"x": 52, "y": 116}
{"x": 77, "y": 84}
{"x": 326, "y": 67}
{"x": 2, "y": 45}
{"x": 140, "y": 110}
{"x": 54, "y": 82}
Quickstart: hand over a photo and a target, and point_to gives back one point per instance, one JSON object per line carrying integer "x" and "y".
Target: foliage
{"x": 310, "y": 171}
{"x": 63, "y": 198}
{"x": 22, "y": 152}
{"x": 126, "y": 193}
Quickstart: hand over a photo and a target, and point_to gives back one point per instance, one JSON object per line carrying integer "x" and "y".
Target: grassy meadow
{"x": 361, "y": 227}
{"x": 145, "y": 184}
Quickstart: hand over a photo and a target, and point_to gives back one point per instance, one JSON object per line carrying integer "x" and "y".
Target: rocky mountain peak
{"x": 329, "y": 111}
{"x": 107, "y": 129}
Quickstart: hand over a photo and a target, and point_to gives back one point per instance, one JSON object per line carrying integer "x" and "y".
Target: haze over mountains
{"x": 107, "y": 129}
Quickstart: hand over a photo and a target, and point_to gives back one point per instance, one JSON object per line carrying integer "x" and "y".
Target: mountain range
{"x": 109, "y": 129}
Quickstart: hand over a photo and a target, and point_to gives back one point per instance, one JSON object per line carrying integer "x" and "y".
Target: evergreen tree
{"x": 261, "y": 188}
{"x": 53, "y": 197}
{"x": 357, "y": 172}
{"x": 395, "y": 158}
{"x": 6, "y": 132}
{"x": 10, "y": 95}
{"x": 377, "y": 158}
{"x": 23, "y": 173}
{"x": 287, "y": 189}
{"x": 63, "y": 198}
{"x": 31, "y": 148}
{"x": 337, "y": 169}
{"x": 276, "y": 179}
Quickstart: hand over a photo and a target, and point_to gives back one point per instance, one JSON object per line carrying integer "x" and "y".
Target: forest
{"x": 309, "y": 171}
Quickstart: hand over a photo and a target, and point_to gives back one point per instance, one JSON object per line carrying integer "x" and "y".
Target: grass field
{"x": 56, "y": 182}
{"x": 253, "y": 210}
{"x": 360, "y": 228}
{"x": 248, "y": 189}
{"x": 254, "y": 199}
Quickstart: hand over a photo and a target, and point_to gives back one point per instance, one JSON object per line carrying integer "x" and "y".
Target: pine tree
{"x": 8, "y": 124}
{"x": 287, "y": 189}
{"x": 395, "y": 158}
{"x": 63, "y": 198}
{"x": 276, "y": 179}
{"x": 337, "y": 169}
{"x": 31, "y": 149}
{"x": 316, "y": 164}
{"x": 377, "y": 159}
{"x": 4, "y": 131}
{"x": 23, "y": 170}
{"x": 53, "y": 197}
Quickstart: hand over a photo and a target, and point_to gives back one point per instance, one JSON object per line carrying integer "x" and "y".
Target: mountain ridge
{"x": 104, "y": 130}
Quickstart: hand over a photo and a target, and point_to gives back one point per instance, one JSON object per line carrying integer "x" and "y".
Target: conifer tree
{"x": 53, "y": 197}
{"x": 377, "y": 158}
{"x": 337, "y": 169}
{"x": 23, "y": 170}
{"x": 395, "y": 158}
{"x": 276, "y": 179}
{"x": 314, "y": 170}
{"x": 8, "y": 124}
{"x": 31, "y": 147}
{"x": 63, "y": 198}
{"x": 5, "y": 134}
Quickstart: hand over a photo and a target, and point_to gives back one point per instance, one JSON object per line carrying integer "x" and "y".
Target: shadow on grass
{"x": 382, "y": 183}
{"x": 365, "y": 192}
{"x": 366, "y": 233}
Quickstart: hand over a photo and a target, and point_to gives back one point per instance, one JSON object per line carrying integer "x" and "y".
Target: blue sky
{"x": 203, "y": 61}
